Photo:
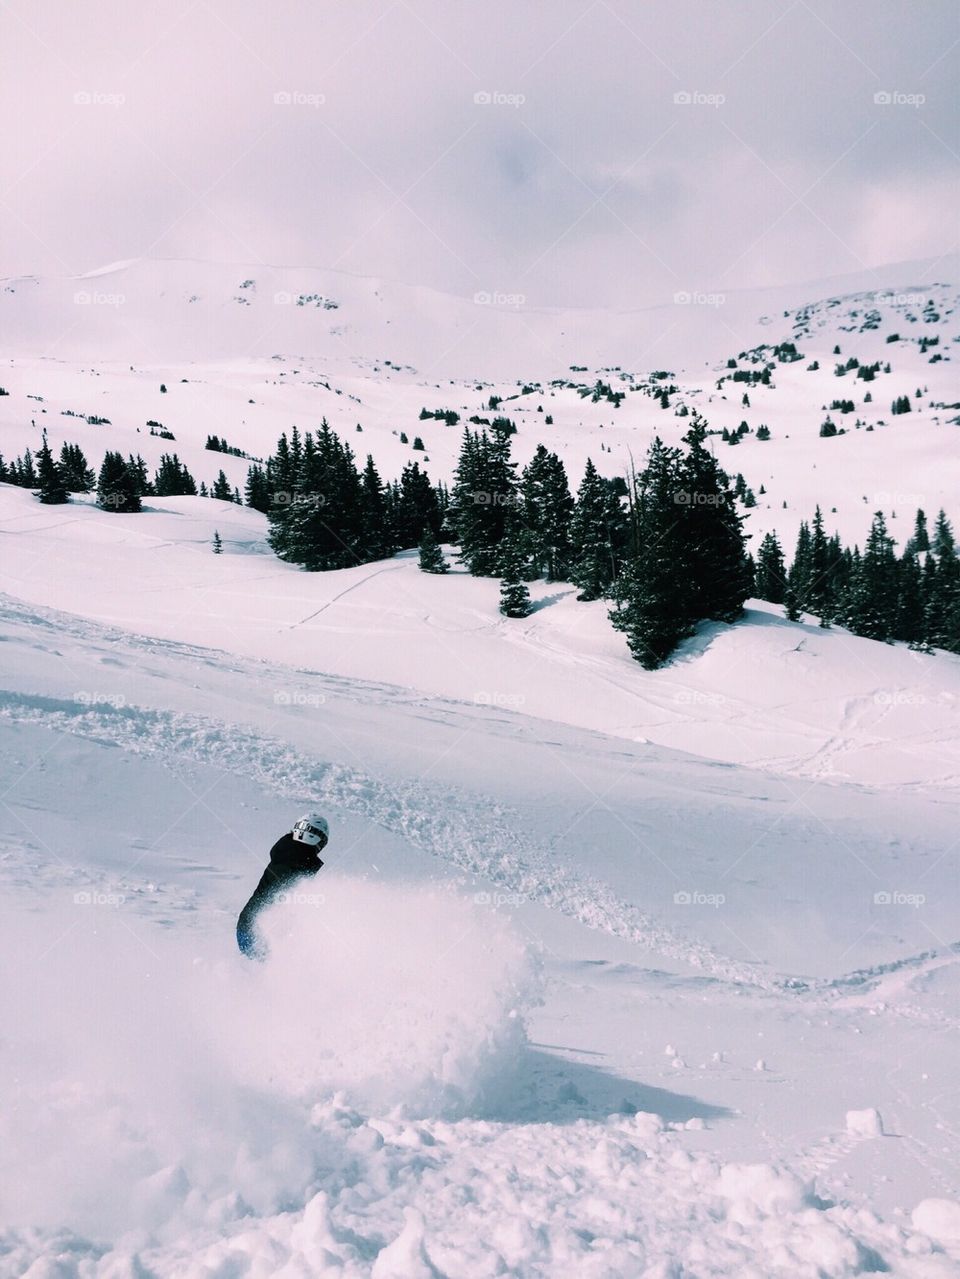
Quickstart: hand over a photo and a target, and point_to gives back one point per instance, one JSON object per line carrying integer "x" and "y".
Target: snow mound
{"x": 938, "y": 1218}
{"x": 864, "y": 1123}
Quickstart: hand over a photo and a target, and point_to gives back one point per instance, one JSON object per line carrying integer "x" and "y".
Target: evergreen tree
{"x": 77, "y": 474}
{"x": 514, "y": 594}
{"x": 257, "y": 489}
{"x": 431, "y": 556}
{"x": 910, "y": 619}
{"x": 26, "y": 471}
{"x": 712, "y": 531}
{"x": 417, "y": 507}
{"x": 920, "y": 541}
{"x": 597, "y": 535}
{"x": 138, "y": 470}
{"x": 771, "y": 574}
{"x": 943, "y": 540}
{"x": 222, "y": 490}
{"x": 173, "y": 479}
{"x": 484, "y": 500}
{"x": 377, "y": 522}
{"x": 53, "y": 488}
{"x": 652, "y": 594}
{"x": 547, "y": 511}
{"x": 118, "y": 485}
{"x": 217, "y": 543}
{"x": 871, "y": 607}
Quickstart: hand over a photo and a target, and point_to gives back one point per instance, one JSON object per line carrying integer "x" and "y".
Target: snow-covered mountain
{"x": 610, "y": 972}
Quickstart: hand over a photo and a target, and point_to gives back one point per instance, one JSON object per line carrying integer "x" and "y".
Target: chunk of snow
{"x": 864, "y": 1123}
{"x": 938, "y": 1218}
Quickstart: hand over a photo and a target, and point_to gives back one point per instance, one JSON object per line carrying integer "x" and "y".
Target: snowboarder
{"x": 293, "y": 855}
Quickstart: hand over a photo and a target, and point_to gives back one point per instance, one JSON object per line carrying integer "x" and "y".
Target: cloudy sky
{"x": 578, "y": 153}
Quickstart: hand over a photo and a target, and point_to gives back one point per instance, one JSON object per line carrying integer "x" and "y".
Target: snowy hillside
{"x": 609, "y": 972}
{"x": 240, "y": 365}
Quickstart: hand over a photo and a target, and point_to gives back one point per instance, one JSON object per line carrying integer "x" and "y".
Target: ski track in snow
{"x": 456, "y": 828}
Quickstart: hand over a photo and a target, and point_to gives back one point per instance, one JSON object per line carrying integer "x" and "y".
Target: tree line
{"x": 913, "y": 597}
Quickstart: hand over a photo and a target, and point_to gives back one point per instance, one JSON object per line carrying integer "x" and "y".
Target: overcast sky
{"x": 577, "y": 178}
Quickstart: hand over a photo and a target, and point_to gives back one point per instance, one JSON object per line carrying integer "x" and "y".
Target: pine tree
{"x": 118, "y": 485}
{"x": 871, "y": 607}
{"x": 217, "y": 543}
{"x": 26, "y": 471}
{"x": 417, "y": 508}
{"x": 138, "y": 469}
{"x": 77, "y": 474}
{"x": 377, "y": 523}
{"x": 712, "y": 530}
{"x": 771, "y": 573}
{"x": 53, "y": 489}
{"x": 222, "y": 489}
{"x": 257, "y": 489}
{"x": 920, "y": 541}
{"x": 173, "y": 479}
{"x": 514, "y": 593}
{"x": 943, "y": 540}
{"x": 910, "y": 615}
{"x": 484, "y": 498}
{"x": 651, "y": 593}
{"x": 597, "y": 535}
{"x": 547, "y": 510}
{"x": 431, "y": 556}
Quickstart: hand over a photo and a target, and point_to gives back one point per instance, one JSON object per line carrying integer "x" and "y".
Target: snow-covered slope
{"x": 609, "y": 973}
{"x": 772, "y": 694}
{"x": 560, "y": 1004}
{"x": 239, "y": 365}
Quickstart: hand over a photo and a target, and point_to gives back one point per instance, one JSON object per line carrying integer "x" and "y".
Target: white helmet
{"x": 312, "y": 829}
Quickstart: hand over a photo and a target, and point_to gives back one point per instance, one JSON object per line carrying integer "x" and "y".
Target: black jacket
{"x": 290, "y": 860}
